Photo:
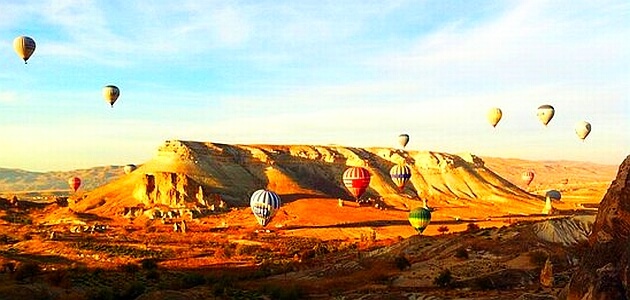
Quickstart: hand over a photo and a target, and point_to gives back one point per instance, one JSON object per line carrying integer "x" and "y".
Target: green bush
{"x": 444, "y": 279}
{"x": 149, "y": 264}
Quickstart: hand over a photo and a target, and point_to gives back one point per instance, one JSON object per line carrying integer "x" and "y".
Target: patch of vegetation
{"x": 472, "y": 228}
{"x": 7, "y": 239}
{"x": 132, "y": 291}
{"x": 26, "y": 271}
{"x": 444, "y": 279}
{"x": 443, "y": 229}
{"x": 402, "y": 262}
{"x": 120, "y": 250}
{"x": 461, "y": 253}
{"x": 191, "y": 280}
{"x": 249, "y": 250}
{"x": 149, "y": 264}
{"x": 17, "y": 218}
{"x": 129, "y": 268}
{"x": 538, "y": 257}
{"x": 59, "y": 278}
{"x": 283, "y": 292}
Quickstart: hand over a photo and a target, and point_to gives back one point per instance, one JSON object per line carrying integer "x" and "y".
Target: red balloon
{"x": 528, "y": 176}
{"x": 357, "y": 180}
{"x": 75, "y": 183}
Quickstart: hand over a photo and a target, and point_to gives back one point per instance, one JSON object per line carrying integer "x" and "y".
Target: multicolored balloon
{"x": 582, "y": 129}
{"x": 74, "y": 183}
{"x": 24, "y": 46}
{"x": 111, "y": 94}
{"x": 494, "y": 116}
{"x": 553, "y": 195}
{"x": 264, "y": 205}
{"x": 419, "y": 218}
{"x": 403, "y": 140}
{"x": 545, "y": 113}
{"x": 528, "y": 177}
{"x": 400, "y": 175}
{"x": 356, "y": 180}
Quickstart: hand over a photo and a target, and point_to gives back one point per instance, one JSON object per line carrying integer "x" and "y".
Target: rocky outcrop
{"x": 605, "y": 269}
{"x": 170, "y": 189}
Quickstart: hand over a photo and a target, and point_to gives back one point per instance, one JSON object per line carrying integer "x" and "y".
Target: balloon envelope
{"x": 356, "y": 180}
{"x": 545, "y": 113}
{"x": 129, "y": 168}
{"x": 24, "y": 46}
{"x": 528, "y": 176}
{"x": 553, "y": 195}
{"x": 403, "y": 140}
{"x": 74, "y": 183}
{"x": 111, "y": 94}
{"x": 400, "y": 175}
{"x": 419, "y": 218}
{"x": 264, "y": 205}
{"x": 582, "y": 129}
{"x": 494, "y": 116}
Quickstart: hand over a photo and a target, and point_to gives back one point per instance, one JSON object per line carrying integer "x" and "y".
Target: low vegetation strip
{"x": 118, "y": 250}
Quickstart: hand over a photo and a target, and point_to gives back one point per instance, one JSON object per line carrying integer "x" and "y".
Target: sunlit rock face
{"x": 605, "y": 270}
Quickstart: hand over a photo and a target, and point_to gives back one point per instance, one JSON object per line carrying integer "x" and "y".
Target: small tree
{"x": 443, "y": 229}
{"x": 444, "y": 279}
{"x": 472, "y": 227}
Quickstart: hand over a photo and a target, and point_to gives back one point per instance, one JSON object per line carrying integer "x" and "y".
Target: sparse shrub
{"x": 102, "y": 293}
{"x": 132, "y": 291}
{"x": 444, "y": 279}
{"x": 59, "y": 278}
{"x": 191, "y": 280}
{"x": 242, "y": 249}
{"x": 443, "y": 229}
{"x": 6, "y": 239}
{"x": 149, "y": 264}
{"x": 282, "y": 292}
{"x": 26, "y": 271}
{"x": 153, "y": 275}
{"x": 538, "y": 257}
{"x": 472, "y": 228}
{"x": 321, "y": 249}
{"x": 130, "y": 268}
{"x": 461, "y": 253}
{"x": 27, "y": 237}
{"x": 402, "y": 262}
{"x": 483, "y": 283}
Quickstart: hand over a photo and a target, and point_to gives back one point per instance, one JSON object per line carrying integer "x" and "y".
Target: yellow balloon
{"x": 494, "y": 116}
{"x": 111, "y": 94}
{"x": 24, "y": 46}
{"x": 582, "y": 129}
{"x": 545, "y": 113}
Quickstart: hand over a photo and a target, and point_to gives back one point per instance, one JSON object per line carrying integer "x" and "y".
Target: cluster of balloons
{"x": 544, "y": 113}
{"x": 25, "y": 46}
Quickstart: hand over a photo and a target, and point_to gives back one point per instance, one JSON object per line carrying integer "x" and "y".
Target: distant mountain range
{"x": 20, "y": 181}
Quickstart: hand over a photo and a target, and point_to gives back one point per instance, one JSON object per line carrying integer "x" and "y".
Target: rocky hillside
{"x": 185, "y": 173}
{"x": 605, "y": 272}
{"x": 15, "y": 180}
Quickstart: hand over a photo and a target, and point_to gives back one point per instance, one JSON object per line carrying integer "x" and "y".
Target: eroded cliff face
{"x": 170, "y": 189}
{"x": 605, "y": 269}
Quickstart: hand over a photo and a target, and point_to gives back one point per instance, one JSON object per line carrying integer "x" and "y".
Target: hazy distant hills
{"x": 15, "y": 180}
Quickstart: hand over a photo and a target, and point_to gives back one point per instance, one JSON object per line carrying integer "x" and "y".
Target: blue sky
{"x": 355, "y": 73}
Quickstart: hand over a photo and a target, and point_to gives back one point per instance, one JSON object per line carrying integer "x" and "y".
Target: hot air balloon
{"x": 545, "y": 113}
{"x": 356, "y": 179}
{"x": 129, "y": 168}
{"x": 420, "y": 218}
{"x": 111, "y": 94}
{"x": 494, "y": 116}
{"x": 582, "y": 129}
{"x": 528, "y": 177}
{"x": 75, "y": 183}
{"x": 264, "y": 205}
{"x": 553, "y": 195}
{"x": 400, "y": 175}
{"x": 403, "y": 140}
{"x": 24, "y": 46}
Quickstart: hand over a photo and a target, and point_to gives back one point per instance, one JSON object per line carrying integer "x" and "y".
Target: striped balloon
{"x": 420, "y": 218}
{"x": 400, "y": 175}
{"x": 264, "y": 205}
{"x": 24, "y": 46}
{"x": 74, "y": 183}
{"x": 356, "y": 180}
